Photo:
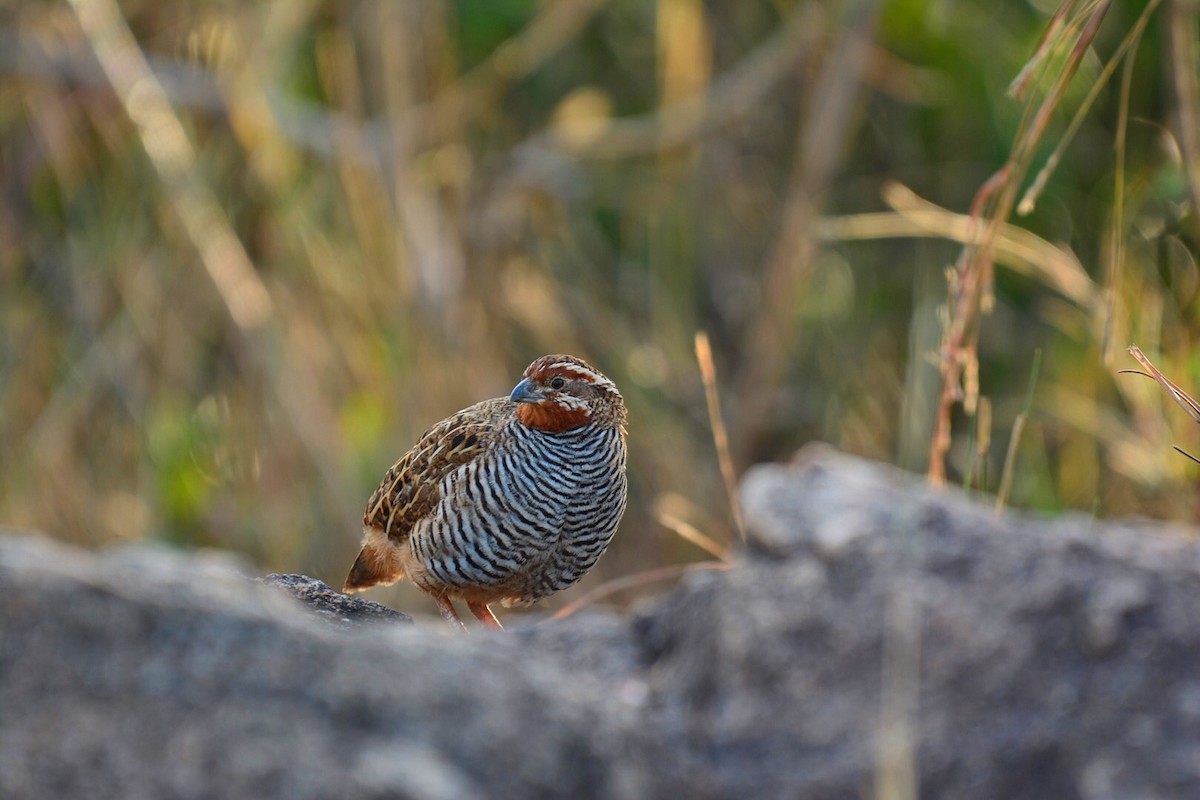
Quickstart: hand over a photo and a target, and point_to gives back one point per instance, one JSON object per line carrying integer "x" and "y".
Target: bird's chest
{"x": 519, "y": 487}
{"x": 530, "y": 518}
{"x": 561, "y": 462}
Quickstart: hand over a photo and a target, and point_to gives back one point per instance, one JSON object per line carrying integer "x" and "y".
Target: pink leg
{"x": 448, "y": 613}
{"x": 485, "y": 615}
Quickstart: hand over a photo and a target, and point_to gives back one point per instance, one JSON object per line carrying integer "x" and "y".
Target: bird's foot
{"x": 485, "y": 615}
{"x": 448, "y": 613}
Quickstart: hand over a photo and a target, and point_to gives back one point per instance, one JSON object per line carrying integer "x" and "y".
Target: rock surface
{"x": 334, "y": 607}
{"x": 872, "y": 636}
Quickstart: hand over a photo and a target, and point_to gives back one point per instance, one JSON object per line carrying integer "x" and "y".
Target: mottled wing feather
{"x": 410, "y": 489}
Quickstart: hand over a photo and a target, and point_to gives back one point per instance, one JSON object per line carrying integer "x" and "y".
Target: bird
{"x": 509, "y": 500}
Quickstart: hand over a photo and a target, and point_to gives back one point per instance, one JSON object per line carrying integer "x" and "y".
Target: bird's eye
{"x": 557, "y": 382}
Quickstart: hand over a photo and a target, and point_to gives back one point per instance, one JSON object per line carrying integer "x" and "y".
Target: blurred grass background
{"x": 250, "y": 250}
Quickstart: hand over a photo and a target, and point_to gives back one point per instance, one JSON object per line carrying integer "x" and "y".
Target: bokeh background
{"x": 250, "y": 250}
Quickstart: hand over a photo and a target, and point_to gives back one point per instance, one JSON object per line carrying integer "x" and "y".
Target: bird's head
{"x": 560, "y": 393}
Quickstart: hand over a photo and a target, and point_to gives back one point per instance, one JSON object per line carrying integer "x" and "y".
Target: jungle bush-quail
{"x": 507, "y": 501}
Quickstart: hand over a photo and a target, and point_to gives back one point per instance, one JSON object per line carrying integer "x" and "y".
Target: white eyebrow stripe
{"x": 583, "y": 372}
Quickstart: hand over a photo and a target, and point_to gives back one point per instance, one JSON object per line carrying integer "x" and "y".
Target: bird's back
{"x": 411, "y": 489}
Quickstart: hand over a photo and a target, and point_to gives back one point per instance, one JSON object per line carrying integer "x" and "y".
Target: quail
{"x": 509, "y": 500}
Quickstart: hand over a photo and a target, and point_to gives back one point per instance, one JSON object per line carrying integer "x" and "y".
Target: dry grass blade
{"x": 1117, "y": 250}
{"x": 634, "y": 581}
{"x": 1181, "y": 397}
{"x": 1010, "y": 460}
{"x": 690, "y": 533}
{"x": 1181, "y": 38}
{"x": 1173, "y": 391}
{"x": 983, "y": 439}
{"x": 708, "y": 372}
{"x": 166, "y": 142}
{"x": 1183, "y": 452}
{"x": 1124, "y": 51}
{"x": 1020, "y": 84}
{"x": 1014, "y": 440}
{"x": 1021, "y": 250}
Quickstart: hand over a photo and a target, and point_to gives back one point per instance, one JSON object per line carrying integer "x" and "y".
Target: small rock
{"x": 334, "y": 606}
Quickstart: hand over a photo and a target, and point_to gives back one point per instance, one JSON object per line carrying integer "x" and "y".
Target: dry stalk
{"x": 708, "y": 373}
{"x": 166, "y": 143}
{"x": 1020, "y": 84}
{"x": 971, "y": 287}
{"x": 690, "y": 533}
{"x": 1182, "y": 398}
{"x": 1172, "y": 389}
{"x": 1181, "y": 38}
{"x": 1125, "y": 51}
{"x": 634, "y": 581}
{"x": 1017, "y": 248}
{"x": 983, "y": 440}
{"x": 830, "y": 112}
{"x": 1014, "y": 439}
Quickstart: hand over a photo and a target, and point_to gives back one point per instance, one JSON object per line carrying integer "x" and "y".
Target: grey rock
{"x": 1047, "y": 659}
{"x": 874, "y": 636}
{"x": 131, "y": 683}
{"x": 334, "y": 607}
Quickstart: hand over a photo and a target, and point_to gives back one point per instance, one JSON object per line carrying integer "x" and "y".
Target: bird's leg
{"x": 448, "y": 613}
{"x": 485, "y": 615}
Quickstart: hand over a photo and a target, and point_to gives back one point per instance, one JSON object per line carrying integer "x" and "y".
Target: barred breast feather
{"x": 528, "y": 518}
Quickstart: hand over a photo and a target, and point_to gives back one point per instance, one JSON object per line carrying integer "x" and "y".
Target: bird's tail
{"x": 377, "y": 564}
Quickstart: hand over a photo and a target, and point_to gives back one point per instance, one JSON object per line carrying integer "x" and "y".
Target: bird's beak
{"x": 524, "y": 392}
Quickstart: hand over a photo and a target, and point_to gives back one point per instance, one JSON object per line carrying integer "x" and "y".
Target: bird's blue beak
{"x": 524, "y": 392}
